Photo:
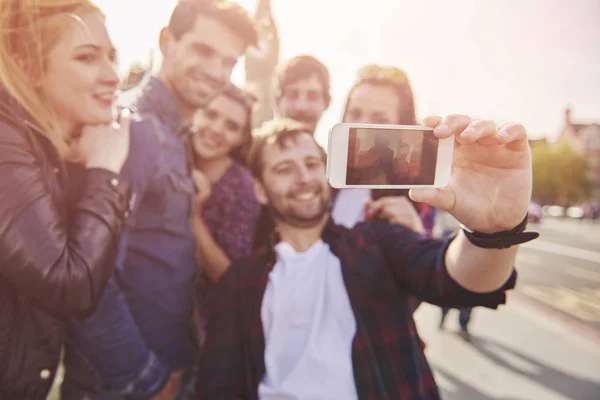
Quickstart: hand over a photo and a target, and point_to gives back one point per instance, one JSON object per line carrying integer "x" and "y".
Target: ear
{"x": 163, "y": 40}
{"x": 259, "y": 192}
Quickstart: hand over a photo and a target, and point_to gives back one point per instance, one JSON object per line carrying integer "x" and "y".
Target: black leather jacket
{"x": 55, "y": 257}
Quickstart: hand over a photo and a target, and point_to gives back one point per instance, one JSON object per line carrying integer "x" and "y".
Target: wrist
{"x": 500, "y": 239}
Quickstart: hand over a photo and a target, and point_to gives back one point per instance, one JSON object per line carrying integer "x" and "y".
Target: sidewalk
{"x": 514, "y": 354}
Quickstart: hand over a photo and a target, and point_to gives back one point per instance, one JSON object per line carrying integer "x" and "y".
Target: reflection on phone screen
{"x": 391, "y": 157}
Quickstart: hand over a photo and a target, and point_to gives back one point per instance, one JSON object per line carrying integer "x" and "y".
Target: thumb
{"x": 442, "y": 198}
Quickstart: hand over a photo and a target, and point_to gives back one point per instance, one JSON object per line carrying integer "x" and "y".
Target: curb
{"x": 569, "y": 323}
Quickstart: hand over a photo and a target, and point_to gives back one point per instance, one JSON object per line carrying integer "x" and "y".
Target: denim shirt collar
{"x": 157, "y": 100}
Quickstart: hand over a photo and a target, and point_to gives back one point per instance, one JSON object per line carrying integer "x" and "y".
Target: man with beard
{"x": 323, "y": 313}
{"x": 142, "y": 330}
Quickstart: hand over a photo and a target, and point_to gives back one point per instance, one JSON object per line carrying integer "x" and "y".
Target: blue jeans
{"x": 464, "y": 316}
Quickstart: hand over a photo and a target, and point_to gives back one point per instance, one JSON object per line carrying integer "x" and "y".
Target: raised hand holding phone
{"x": 490, "y": 186}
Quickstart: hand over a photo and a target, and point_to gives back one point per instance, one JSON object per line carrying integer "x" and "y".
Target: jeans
{"x": 464, "y": 316}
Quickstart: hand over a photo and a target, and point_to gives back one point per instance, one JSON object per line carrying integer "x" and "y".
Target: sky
{"x": 511, "y": 61}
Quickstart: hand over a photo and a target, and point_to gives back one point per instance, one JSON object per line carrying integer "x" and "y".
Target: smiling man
{"x": 324, "y": 312}
{"x": 141, "y": 332}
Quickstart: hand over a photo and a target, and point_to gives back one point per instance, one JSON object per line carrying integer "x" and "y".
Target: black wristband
{"x": 501, "y": 240}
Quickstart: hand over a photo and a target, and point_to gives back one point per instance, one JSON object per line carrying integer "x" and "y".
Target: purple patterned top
{"x": 231, "y": 212}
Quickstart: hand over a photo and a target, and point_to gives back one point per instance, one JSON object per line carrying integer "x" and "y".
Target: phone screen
{"x": 391, "y": 157}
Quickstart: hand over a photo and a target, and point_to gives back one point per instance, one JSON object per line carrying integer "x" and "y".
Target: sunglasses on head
{"x": 381, "y": 73}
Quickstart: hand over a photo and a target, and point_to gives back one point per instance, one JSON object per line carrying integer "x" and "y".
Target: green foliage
{"x": 560, "y": 175}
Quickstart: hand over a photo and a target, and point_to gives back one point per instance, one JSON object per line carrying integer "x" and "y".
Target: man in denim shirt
{"x": 142, "y": 331}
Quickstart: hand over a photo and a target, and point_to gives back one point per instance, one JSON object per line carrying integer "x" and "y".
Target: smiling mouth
{"x": 105, "y": 99}
{"x": 306, "y": 195}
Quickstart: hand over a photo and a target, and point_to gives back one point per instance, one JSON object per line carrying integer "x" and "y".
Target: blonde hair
{"x": 29, "y": 29}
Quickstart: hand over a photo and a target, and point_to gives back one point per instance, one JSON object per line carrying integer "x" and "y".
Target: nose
{"x": 109, "y": 74}
{"x": 216, "y": 71}
{"x": 302, "y": 103}
{"x": 303, "y": 174}
{"x": 216, "y": 127}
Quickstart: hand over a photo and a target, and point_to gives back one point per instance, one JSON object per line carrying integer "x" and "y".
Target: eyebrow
{"x": 96, "y": 47}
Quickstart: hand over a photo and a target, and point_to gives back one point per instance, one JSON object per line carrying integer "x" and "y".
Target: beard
{"x": 296, "y": 216}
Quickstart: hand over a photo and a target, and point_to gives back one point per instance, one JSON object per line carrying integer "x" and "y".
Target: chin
{"x": 100, "y": 119}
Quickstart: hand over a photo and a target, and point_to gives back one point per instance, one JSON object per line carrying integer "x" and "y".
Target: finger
{"x": 514, "y": 134}
{"x": 451, "y": 125}
{"x": 477, "y": 130}
{"x": 442, "y": 198}
{"x": 374, "y": 207}
{"x": 431, "y": 122}
{"x": 390, "y": 202}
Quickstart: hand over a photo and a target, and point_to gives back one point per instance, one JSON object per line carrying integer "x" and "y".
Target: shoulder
{"x": 19, "y": 144}
{"x": 244, "y": 270}
{"x": 240, "y": 180}
{"x": 146, "y": 131}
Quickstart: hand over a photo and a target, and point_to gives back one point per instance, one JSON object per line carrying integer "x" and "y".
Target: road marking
{"x": 563, "y": 250}
{"x": 529, "y": 258}
{"x": 584, "y": 273}
{"x": 584, "y": 305}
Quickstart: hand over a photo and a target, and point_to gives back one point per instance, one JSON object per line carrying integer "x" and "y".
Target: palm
{"x": 491, "y": 185}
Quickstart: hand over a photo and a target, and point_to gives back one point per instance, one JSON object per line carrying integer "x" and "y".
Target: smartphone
{"x": 387, "y": 157}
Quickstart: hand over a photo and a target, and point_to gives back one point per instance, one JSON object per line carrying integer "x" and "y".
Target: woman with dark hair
{"x": 226, "y": 209}
{"x": 383, "y": 95}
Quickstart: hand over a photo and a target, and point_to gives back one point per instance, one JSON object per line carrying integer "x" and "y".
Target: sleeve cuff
{"x": 114, "y": 181}
{"x": 462, "y": 298}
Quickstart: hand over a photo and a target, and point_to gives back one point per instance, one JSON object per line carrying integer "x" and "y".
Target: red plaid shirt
{"x": 382, "y": 265}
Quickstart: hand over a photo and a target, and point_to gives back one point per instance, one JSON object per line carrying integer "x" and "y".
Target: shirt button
{"x": 55, "y": 170}
{"x": 126, "y": 214}
{"x": 45, "y": 374}
{"x": 114, "y": 182}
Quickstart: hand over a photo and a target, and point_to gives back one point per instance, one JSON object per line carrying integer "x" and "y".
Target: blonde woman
{"x": 57, "y": 249}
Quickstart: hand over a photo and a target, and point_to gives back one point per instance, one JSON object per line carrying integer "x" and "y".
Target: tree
{"x": 560, "y": 175}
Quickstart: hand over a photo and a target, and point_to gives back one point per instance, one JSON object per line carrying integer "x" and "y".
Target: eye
{"x": 313, "y": 95}
{"x": 353, "y": 114}
{"x": 204, "y": 50}
{"x": 291, "y": 94}
{"x": 233, "y": 127}
{"x": 283, "y": 169}
{"x": 211, "y": 114}
{"x": 87, "y": 58}
{"x": 313, "y": 164}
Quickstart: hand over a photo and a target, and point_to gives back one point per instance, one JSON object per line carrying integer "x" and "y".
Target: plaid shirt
{"x": 382, "y": 266}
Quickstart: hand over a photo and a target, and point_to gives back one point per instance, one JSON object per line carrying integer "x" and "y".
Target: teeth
{"x": 306, "y": 196}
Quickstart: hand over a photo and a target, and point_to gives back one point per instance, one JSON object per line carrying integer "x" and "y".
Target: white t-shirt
{"x": 309, "y": 328}
{"x": 349, "y": 207}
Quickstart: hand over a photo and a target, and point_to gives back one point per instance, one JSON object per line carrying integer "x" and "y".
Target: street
{"x": 560, "y": 271}
{"x": 545, "y": 342}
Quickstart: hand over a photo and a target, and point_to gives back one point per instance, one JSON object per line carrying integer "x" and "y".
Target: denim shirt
{"x": 157, "y": 250}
